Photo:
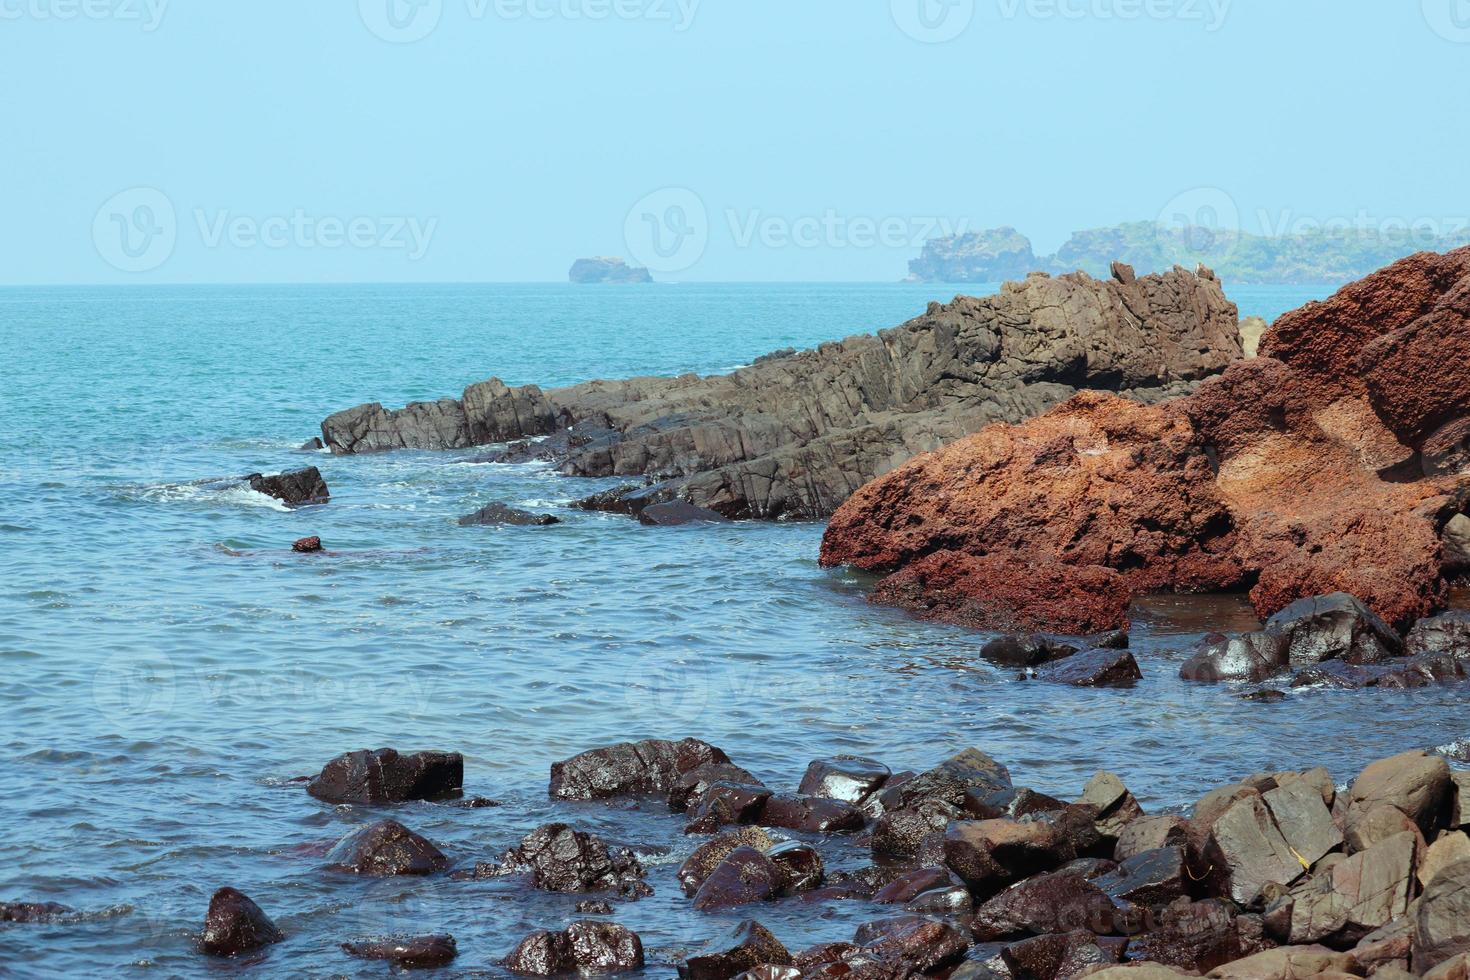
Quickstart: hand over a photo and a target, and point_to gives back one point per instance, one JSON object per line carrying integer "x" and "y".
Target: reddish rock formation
{"x": 1332, "y": 463}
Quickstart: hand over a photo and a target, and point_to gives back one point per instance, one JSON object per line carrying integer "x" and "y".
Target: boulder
{"x": 34, "y": 913}
{"x": 903, "y": 833}
{"x": 847, "y": 778}
{"x": 1248, "y": 852}
{"x": 725, "y": 803}
{"x": 1061, "y": 955}
{"x": 689, "y": 788}
{"x": 1448, "y": 633}
{"x": 1196, "y": 937}
{"x": 791, "y": 436}
{"x": 500, "y": 515}
{"x": 1288, "y": 963}
{"x": 1415, "y": 783}
{"x": 1056, "y": 902}
{"x": 1324, "y": 466}
{"x": 307, "y": 546}
{"x": 1357, "y": 896}
{"x": 386, "y": 776}
{"x": 743, "y": 877}
{"x": 384, "y": 849}
{"x": 912, "y": 944}
{"x": 629, "y": 769}
{"x": 1150, "y": 833}
{"x": 678, "y": 512}
{"x": 1095, "y": 668}
{"x": 1449, "y": 850}
{"x": 408, "y": 953}
{"x": 990, "y": 854}
{"x": 810, "y": 814}
{"x": 560, "y": 859}
{"x": 297, "y": 488}
{"x": 968, "y": 775}
{"x": 709, "y": 855}
{"x": 799, "y": 867}
{"x": 749, "y": 945}
{"x": 1116, "y": 807}
{"x": 1148, "y": 880}
{"x": 1248, "y": 657}
{"x": 1304, "y": 820}
{"x": 235, "y": 925}
{"x": 1442, "y": 919}
{"x": 1334, "y": 627}
{"x": 586, "y": 946}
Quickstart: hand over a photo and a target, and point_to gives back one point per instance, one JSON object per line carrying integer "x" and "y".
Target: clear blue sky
{"x": 292, "y": 142}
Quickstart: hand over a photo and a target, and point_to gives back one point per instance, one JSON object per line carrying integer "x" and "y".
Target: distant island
{"x": 1332, "y": 257}
{"x": 607, "y": 269}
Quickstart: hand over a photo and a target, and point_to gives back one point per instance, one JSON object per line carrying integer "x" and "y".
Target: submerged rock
{"x": 1301, "y": 473}
{"x": 235, "y": 925}
{"x": 386, "y": 776}
{"x": 411, "y": 952}
{"x": 297, "y": 488}
{"x": 792, "y": 436}
{"x": 499, "y": 514}
{"x": 677, "y": 512}
{"x": 33, "y": 912}
{"x": 1095, "y": 668}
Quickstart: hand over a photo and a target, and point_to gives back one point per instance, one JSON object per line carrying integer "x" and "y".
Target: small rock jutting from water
{"x": 307, "y": 546}
{"x": 298, "y": 488}
{"x": 387, "y": 776}
{"x": 235, "y": 925}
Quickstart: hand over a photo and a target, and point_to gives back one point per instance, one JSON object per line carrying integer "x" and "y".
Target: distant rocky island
{"x": 607, "y": 269}
{"x": 1330, "y": 257}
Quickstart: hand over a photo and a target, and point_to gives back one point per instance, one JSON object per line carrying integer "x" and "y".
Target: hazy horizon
{"x": 496, "y": 141}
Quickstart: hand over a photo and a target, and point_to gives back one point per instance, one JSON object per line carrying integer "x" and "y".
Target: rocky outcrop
{"x": 297, "y": 488}
{"x": 499, "y": 515}
{"x": 794, "y": 434}
{"x": 387, "y": 776}
{"x": 996, "y": 255}
{"x": 385, "y": 849}
{"x": 587, "y": 947}
{"x": 235, "y": 925}
{"x": 1333, "y": 463}
{"x": 607, "y": 269}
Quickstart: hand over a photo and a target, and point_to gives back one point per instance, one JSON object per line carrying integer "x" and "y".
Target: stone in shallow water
{"x": 811, "y": 814}
{"x": 384, "y": 849}
{"x": 234, "y": 925}
{"x": 296, "y": 489}
{"x": 678, "y": 512}
{"x": 912, "y": 943}
{"x": 848, "y": 778}
{"x": 1334, "y": 627}
{"x": 500, "y": 515}
{"x": 410, "y": 952}
{"x": 708, "y": 856}
{"x": 690, "y": 788}
{"x": 745, "y": 876}
{"x": 307, "y": 546}
{"x": 1248, "y": 657}
{"x": 749, "y": 945}
{"x": 1095, "y": 668}
{"x": 629, "y": 768}
{"x": 33, "y": 912}
{"x": 387, "y": 776}
{"x": 561, "y": 859}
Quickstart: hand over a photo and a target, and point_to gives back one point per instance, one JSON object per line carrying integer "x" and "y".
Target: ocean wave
{"x": 231, "y": 493}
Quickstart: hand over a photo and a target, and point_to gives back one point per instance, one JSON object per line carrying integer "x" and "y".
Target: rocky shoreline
{"x": 1334, "y": 462}
{"x": 1279, "y": 875}
{"x": 797, "y": 432}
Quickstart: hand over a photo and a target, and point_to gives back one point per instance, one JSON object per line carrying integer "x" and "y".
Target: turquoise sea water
{"x": 167, "y": 666}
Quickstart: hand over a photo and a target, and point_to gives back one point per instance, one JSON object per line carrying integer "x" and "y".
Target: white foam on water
{"x": 213, "y": 492}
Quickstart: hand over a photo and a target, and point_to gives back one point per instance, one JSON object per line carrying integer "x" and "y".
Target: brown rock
{"x": 307, "y": 546}
{"x": 386, "y": 848}
{"x": 848, "y": 778}
{"x": 749, "y": 945}
{"x": 1416, "y": 784}
{"x": 1095, "y": 668}
{"x": 629, "y": 769}
{"x": 1288, "y": 963}
{"x": 1450, "y": 849}
{"x": 708, "y": 856}
{"x": 31, "y": 913}
{"x": 912, "y": 943}
{"x": 811, "y": 814}
{"x": 990, "y": 854}
{"x": 689, "y": 788}
{"x": 1359, "y": 895}
{"x": 745, "y": 876}
{"x": 560, "y": 859}
{"x": 1442, "y": 920}
{"x": 1061, "y": 955}
{"x": 410, "y": 953}
{"x": 235, "y": 925}
{"x": 799, "y": 867}
{"x": 1057, "y": 902}
{"x": 1247, "y": 851}
{"x": 1150, "y": 833}
{"x": 385, "y": 776}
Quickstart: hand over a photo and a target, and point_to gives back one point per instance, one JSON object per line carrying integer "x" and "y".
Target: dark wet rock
{"x": 604, "y": 947}
{"x": 1116, "y": 807}
{"x": 708, "y": 856}
{"x": 33, "y": 913}
{"x": 848, "y": 778}
{"x": 949, "y": 901}
{"x": 387, "y": 776}
{"x": 307, "y": 546}
{"x": 1264, "y": 696}
{"x": 1083, "y": 835}
{"x": 1027, "y": 803}
{"x": 811, "y": 814}
{"x": 1033, "y": 649}
{"x": 501, "y": 515}
{"x": 971, "y": 772}
{"x": 1095, "y": 668}
{"x": 984, "y": 961}
{"x": 902, "y": 833}
{"x": 749, "y": 945}
{"x": 597, "y": 907}
{"x": 1150, "y": 879}
{"x": 1442, "y": 919}
{"x": 990, "y": 854}
{"x": 851, "y": 410}
{"x": 911, "y": 884}
{"x": 297, "y": 488}
{"x": 1334, "y": 627}
{"x": 1089, "y": 867}
{"x": 1304, "y": 820}
{"x": 1195, "y": 937}
{"x": 912, "y": 943}
{"x": 1247, "y": 852}
{"x": 607, "y": 269}
{"x": 1055, "y": 902}
{"x": 678, "y": 512}
{"x": 745, "y": 876}
{"x": 1448, "y": 633}
{"x": 723, "y": 804}
{"x": 629, "y": 768}
{"x": 689, "y": 788}
{"x": 560, "y": 859}
{"x": 386, "y": 848}
{"x": 1150, "y": 833}
{"x": 1248, "y": 657}
{"x": 235, "y": 925}
{"x": 770, "y": 971}
{"x": 1359, "y": 895}
{"x": 799, "y": 867}
{"x": 411, "y": 952}
{"x": 1060, "y": 955}
{"x": 541, "y": 954}
{"x": 312, "y": 445}
{"x": 1416, "y": 784}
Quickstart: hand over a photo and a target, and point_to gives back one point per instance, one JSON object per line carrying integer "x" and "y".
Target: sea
{"x": 169, "y": 668}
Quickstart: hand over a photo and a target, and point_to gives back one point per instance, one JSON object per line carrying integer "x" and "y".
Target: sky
{"x": 202, "y": 141}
